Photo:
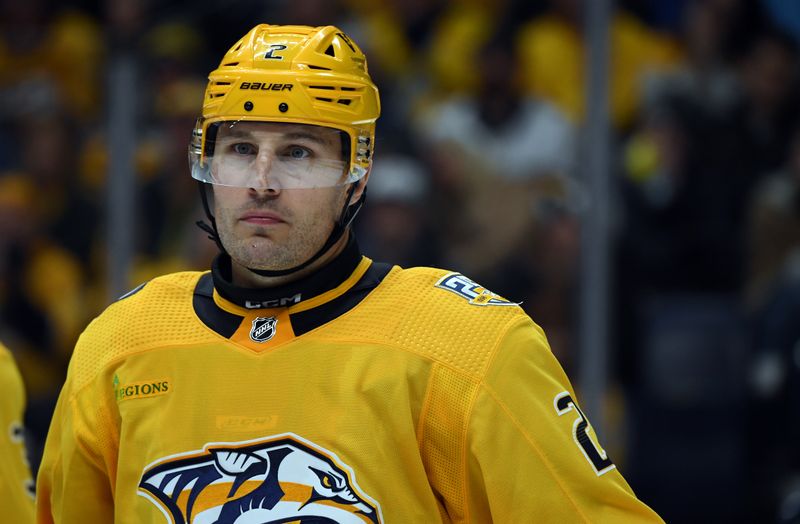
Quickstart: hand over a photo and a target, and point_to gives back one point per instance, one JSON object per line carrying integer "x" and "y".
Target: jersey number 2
{"x": 580, "y": 432}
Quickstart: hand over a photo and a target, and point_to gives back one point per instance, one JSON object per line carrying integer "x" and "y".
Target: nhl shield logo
{"x": 263, "y": 329}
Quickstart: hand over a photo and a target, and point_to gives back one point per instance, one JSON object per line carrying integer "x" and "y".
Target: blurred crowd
{"x": 478, "y": 168}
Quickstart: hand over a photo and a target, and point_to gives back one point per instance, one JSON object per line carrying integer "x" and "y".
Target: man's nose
{"x": 265, "y": 178}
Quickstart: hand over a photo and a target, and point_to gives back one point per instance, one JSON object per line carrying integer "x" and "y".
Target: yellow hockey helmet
{"x": 293, "y": 74}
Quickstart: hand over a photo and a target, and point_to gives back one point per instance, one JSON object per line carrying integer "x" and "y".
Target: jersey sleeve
{"x": 530, "y": 450}
{"x": 75, "y": 480}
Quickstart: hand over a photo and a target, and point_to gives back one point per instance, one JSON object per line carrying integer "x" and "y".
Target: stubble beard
{"x": 261, "y": 250}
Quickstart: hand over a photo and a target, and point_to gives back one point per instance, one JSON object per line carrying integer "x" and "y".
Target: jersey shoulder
{"x": 441, "y": 315}
{"x": 156, "y": 313}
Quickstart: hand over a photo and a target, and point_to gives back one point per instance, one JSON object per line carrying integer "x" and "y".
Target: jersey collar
{"x": 325, "y": 279}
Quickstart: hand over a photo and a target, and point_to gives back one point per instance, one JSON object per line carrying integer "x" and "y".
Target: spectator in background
{"x": 397, "y": 33}
{"x": 553, "y": 57}
{"x": 499, "y": 129}
{"x": 49, "y": 151}
{"x": 679, "y": 217}
{"x": 487, "y": 148}
{"x": 763, "y": 122}
{"x": 705, "y": 78}
{"x": 459, "y": 37}
{"x": 49, "y": 56}
{"x": 700, "y": 147}
{"x": 427, "y": 51}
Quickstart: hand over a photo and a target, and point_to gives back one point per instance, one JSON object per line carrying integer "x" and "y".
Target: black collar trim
{"x": 326, "y": 278}
{"x": 305, "y": 321}
{"x": 226, "y": 324}
{"x": 212, "y": 315}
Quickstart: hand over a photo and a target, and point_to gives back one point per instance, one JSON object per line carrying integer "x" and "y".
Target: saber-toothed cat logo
{"x": 283, "y": 478}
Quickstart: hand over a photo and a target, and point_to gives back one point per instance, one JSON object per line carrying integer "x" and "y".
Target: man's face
{"x": 279, "y": 227}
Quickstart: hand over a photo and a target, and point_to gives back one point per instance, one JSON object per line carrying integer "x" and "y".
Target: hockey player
{"x": 299, "y": 381}
{"x": 16, "y": 483}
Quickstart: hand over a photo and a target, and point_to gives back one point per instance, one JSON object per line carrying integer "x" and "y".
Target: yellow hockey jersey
{"x": 16, "y": 483}
{"x": 362, "y": 394}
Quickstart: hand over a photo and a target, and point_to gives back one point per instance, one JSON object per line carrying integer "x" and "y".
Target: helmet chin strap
{"x": 346, "y": 218}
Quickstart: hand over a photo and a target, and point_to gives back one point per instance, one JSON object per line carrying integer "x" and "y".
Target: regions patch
{"x": 279, "y": 479}
{"x": 140, "y": 389}
{"x": 472, "y": 291}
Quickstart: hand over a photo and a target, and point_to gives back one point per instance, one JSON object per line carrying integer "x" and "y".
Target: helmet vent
{"x": 346, "y": 41}
{"x": 335, "y": 94}
{"x": 330, "y": 51}
{"x": 319, "y": 67}
{"x": 231, "y": 64}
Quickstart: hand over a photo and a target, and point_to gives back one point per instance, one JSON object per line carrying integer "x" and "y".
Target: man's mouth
{"x": 262, "y": 218}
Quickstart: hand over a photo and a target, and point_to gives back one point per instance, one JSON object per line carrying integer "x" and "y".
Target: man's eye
{"x": 298, "y": 153}
{"x": 243, "y": 148}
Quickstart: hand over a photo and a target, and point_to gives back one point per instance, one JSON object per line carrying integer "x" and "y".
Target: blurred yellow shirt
{"x": 553, "y": 61}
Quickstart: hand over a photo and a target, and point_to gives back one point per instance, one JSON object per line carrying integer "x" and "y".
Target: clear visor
{"x": 271, "y": 155}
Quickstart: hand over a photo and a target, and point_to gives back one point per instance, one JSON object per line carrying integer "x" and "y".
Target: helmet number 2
{"x": 580, "y": 432}
{"x": 271, "y": 52}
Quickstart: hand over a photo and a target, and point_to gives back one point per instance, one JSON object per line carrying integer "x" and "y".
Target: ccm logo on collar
{"x": 263, "y": 86}
{"x": 278, "y": 302}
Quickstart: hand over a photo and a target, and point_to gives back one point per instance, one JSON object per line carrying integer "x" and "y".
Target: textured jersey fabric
{"x": 398, "y": 396}
{"x": 16, "y": 483}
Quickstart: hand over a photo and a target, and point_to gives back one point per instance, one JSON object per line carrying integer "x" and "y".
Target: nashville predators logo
{"x": 279, "y": 479}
